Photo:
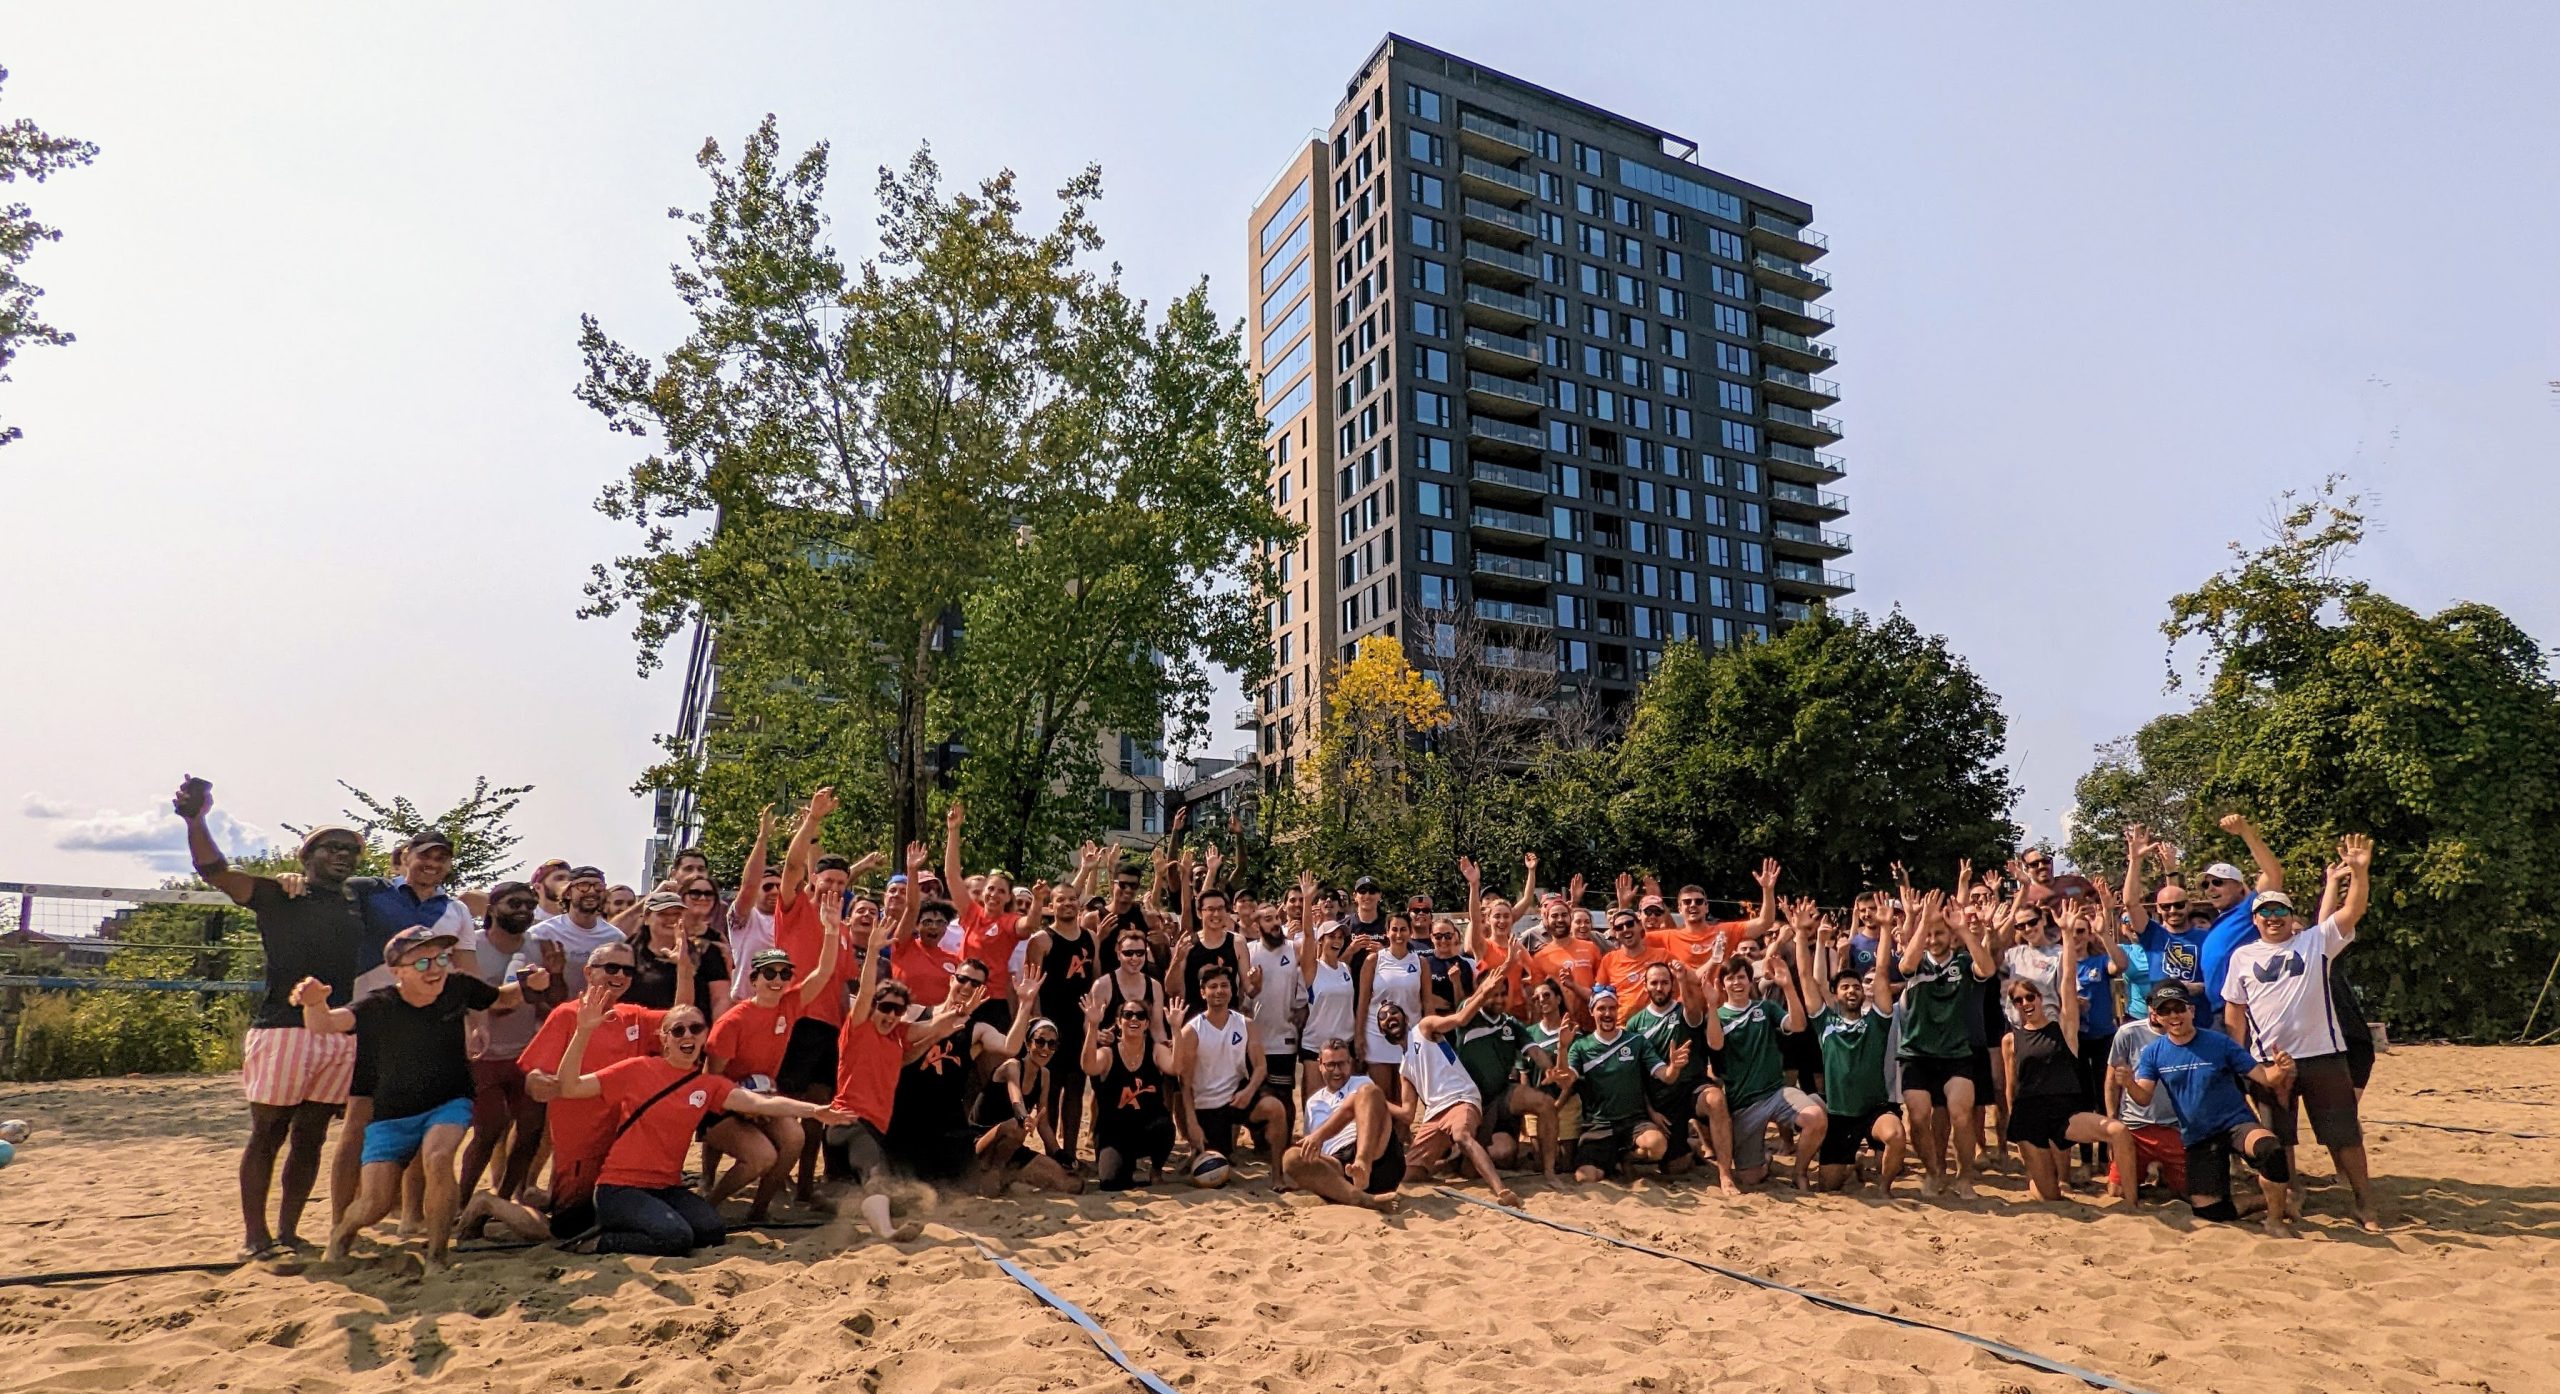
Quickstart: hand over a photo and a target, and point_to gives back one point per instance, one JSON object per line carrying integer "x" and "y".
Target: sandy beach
{"x": 1239, "y": 1290}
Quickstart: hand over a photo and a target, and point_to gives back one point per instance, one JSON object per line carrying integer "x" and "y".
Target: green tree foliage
{"x": 28, "y": 153}
{"x": 967, "y": 494}
{"x": 1839, "y": 747}
{"x": 483, "y": 842}
{"x": 2328, "y": 709}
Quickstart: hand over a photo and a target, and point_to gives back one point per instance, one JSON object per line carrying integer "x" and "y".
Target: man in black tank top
{"x": 1216, "y": 943}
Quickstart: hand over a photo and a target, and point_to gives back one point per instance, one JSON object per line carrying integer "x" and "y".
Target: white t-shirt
{"x": 2040, "y": 964}
{"x": 1275, "y": 1008}
{"x": 2285, "y": 990}
{"x": 1321, "y": 1105}
{"x": 575, "y": 944}
{"x": 747, "y": 938}
{"x": 1439, "y": 1081}
{"x": 1219, "y": 1061}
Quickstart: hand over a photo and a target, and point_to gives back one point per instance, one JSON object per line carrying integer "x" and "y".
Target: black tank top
{"x": 1126, "y": 1098}
{"x": 2046, "y": 1069}
{"x": 994, "y": 1103}
{"x": 1070, "y": 970}
{"x": 1120, "y": 999}
{"x": 1198, "y": 960}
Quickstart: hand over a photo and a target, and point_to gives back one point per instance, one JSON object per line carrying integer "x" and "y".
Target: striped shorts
{"x": 288, "y": 1065}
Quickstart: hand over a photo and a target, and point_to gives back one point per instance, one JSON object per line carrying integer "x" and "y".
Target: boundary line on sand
{"x": 1101, "y": 1339}
{"x": 2006, "y": 1352}
{"x": 2455, "y": 1128}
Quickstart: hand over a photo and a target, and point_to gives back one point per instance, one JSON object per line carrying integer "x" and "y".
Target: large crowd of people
{"x": 573, "y": 1062}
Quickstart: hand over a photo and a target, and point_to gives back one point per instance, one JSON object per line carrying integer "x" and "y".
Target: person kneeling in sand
{"x": 1439, "y": 1095}
{"x": 1349, "y": 1154}
{"x": 2203, "y": 1070}
{"x": 412, "y": 1032}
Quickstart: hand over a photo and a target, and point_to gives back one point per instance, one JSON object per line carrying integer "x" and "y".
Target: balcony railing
{"x": 1792, "y": 610}
{"x": 1493, "y": 173}
{"x": 1513, "y": 612}
{"x": 1519, "y": 306}
{"x": 1507, "y": 476}
{"x": 1805, "y": 420}
{"x": 1513, "y": 568}
{"x": 1519, "y": 660}
{"x": 1500, "y": 216}
{"x": 1770, "y": 261}
{"x": 1509, "y": 389}
{"x": 1784, "y": 491}
{"x": 1503, "y": 131}
{"x": 1519, "y": 262}
{"x": 1803, "y": 575}
{"x": 1796, "y": 343}
{"x": 1488, "y": 428}
{"x": 1508, "y": 520}
{"x": 1793, "y": 232}
{"x": 1802, "y": 382}
{"x": 1791, "y": 305}
{"x": 1802, "y": 458}
{"x": 1495, "y": 341}
{"x": 1808, "y": 534}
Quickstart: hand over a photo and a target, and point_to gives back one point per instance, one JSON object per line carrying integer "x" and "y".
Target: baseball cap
{"x": 2225, "y": 871}
{"x": 662, "y": 900}
{"x": 2171, "y": 991}
{"x": 1365, "y": 883}
{"x": 768, "y": 958}
{"x": 430, "y": 837}
{"x": 417, "y": 936}
{"x": 2272, "y": 900}
{"x": 1652, "y": 902}
{"x": 586, "y": 873}
{"x": 325, "y": 830}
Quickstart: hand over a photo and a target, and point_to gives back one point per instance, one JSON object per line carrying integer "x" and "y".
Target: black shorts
{"x": 1386, "y": 1173}
{"x": 1497, "y": 1115}
{"x": 1280, "y": 1080}
{"x": 1130, "y": 1141}
{"x": 1928, "y": 1074}
{"x": 2042, "y": 1120}
{"x": 1218, "y": 1125}
{"x": 2323, "y": 1086}
{"x": 2209, "y": 1163}
{"x": 808, "y": 1059}
{"x": 2360, "y": 1060}
{"x": 862, "y": 1149}
{"x": 1849, "y": 1132}
{"x": 1607, "y": 1150}
{"x": 934, "y": 1155}
{"x": 1801, "y": 1052}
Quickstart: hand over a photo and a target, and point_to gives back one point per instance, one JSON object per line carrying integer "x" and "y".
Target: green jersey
{"x": 1613, "y": 1076}
{"x": 1665, "y": 1029}
{"x": 1752, "y": 1067}
{"x": 1938, "y": 994}
{"x": 1536, "y": 1037}
{"x": 1852, "y": 1059}
{"x": 1489, "y": 1047}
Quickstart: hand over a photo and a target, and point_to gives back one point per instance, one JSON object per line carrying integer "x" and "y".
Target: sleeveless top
{"x": 1197, "y": 962}
{"x": 1126, "y": 1099}
{"x": 1220, "y": 1058}
{"x": 1333, "y": 999}
{"x": 1069, "y": 968}
{"x": 2046, "y": 1069}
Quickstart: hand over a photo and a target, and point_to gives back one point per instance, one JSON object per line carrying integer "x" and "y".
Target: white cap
{"x": 2225, "y": 871}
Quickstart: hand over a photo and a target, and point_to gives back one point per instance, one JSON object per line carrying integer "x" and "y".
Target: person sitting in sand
{"x": 2203, "y": 1071}
{"x": 1349, "y": 1153}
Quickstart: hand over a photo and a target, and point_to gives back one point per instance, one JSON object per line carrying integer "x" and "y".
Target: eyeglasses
{"x": 682, "y": 1029}
{"x": 782, "y": 971}
{"x": 2171, "y": 1008}
{"x": 968, "y": 982}
{"x": 426, "y": 962}
{"x": 700, "y": 895}
{"x": 620, "y": 970}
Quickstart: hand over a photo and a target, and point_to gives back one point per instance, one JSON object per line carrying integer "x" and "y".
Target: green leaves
{"x": 27, "y": 152}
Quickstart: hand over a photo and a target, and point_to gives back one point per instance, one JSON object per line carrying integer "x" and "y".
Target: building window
{"x": 1430, "y": 275}
{"x": 1290, "y": 208}
{"x": 1431, "y": 408}
{"x": 1438, "y": 592}
{"x": 1737, "y": 436}
{"x": 1721, "y": 243}
{"x": 1439, "y": 546}
{"x": 1421, "y": 102}
{"x": 1666, "y": 225}
{"x": 1430, "y": 320}
{"x": 1586, "y": 158}
{"x": 1428, "y": 233}
{"x": 1734, "y": 358}
{"x": 1733, "y": 396}
{"x": 1434, "y": 500}
{"x": 1431, "y": 364}
{"x": 1426, "y": 190}
{"x": 1549, "y": 148}
{"x": 1671, "y": 301}
{"x": 1732, "y": 321}
{"x": 1423, "y": 146}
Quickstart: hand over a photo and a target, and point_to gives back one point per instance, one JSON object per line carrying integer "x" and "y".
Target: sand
{"x": 1242, "y": 1291}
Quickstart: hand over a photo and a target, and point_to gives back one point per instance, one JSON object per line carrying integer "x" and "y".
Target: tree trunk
{"x": 907, "y": 777}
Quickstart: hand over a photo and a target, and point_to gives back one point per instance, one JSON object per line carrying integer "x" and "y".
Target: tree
{"x": 477, "y": 825}
{"x": 27, "y": 152}
{"x": 965, "y": 498}
{"x": 1839, "y": 747}
{"x": 2328, "y": 708}
{"x": 1362, "y": 814}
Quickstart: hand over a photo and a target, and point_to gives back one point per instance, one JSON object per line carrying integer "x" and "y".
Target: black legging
{"x": 671, "y": 1221}
{"x": 1118, "y": 1151}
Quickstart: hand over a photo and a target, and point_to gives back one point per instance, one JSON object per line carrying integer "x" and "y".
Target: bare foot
{"x": 1928, "y": 1186}
{"x": 1962, "y": 1188}
{"x": 435, "y": 1264}
{"x": 1357, "y": 1172}
{"x": 1386, "y": 1204}
{"x": 2279, "y": 1228}
{"x": 1506, "y": 1197}
{"x": 907, "y": 1232}
{"x": 335, "y": 1253}
{"x": 1726, "y": 1184}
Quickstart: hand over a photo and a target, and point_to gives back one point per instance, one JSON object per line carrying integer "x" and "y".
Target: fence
{"x": 62, "y": 943}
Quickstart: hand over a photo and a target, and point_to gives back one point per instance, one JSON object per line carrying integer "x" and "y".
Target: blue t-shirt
{"x": 2173, "y": 955}
{"x": 2203, "y": 1079}
{"x": 2097, "y": 998}
{"x": 2137, "y": 981}
{"x": 2234, "y": 929}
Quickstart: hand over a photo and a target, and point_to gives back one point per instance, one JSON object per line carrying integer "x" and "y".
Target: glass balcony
{"x": 1513, "y": 612}
{"x": 1793, "y": 610}
{"x": 1795, "y": 424}
{"x": 1787, "y": 237}
{"x": 1795, "y": 350}
{"x": 1503, "y": 350}
{"x": 1502, "y": 394}
{"x": 1818, "y": 580}
{"x": 1806, "y": 539}
{"x": 1484, "y": 256}
{"x": 1493, "y": 475}
{"x": 1489, "y": 132}
{"x": 1788, "y": 312}
{"x": 1523, "y": 660}
{"x": 1507, "y": 524}
{"x": 1791, "y": 500}
{"x": 1496, "y": 568}
{"x": 1488, "y": 430}
{"x": 1804, "y": 466}
{"x": 1497, "y": 219}
{"x": 1794, "y": 277}
{"x": 1500, "y": 307}
{"x": 1797, "y": 389}
{"x": 1499, "y": 177}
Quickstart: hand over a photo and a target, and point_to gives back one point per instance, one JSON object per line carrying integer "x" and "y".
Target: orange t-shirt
{"x": 1691, "y": 946}
{"x": 867, "y": 1062}
{"x": 752, "y": 1038}
{"x": 1625, "y": 971}
{"x": 1580, "y": 957}
{"x": 796, "y": 931}
{"x": 581, "y": 1128}
{"x": 650, "y": 1153}
{"x": 990, "y": 939}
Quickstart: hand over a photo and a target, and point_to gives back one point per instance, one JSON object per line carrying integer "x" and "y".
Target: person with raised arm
{"x": 2049, "y": 1107}
{"x": 749, "y": 921}
{"x": 2203, "y": 1072}
{"x": 1491, "y": 1047}
{"x": 1208, "y": 934}
{"x": 1066, "y": 943}
{"x": 875, "y": 1043}
{"x": 295, "y": 1079}
{"x": 1610, "y": 1068}
{"x": 1743, "y": 1031}
{"x": 1392, "y": 974}
{"x": 1348, "y": 1153}
{"x": 1675, "y": 1010}
{"x": 1130, "y": 1062}
{"x": 581, "y": 1129}
{"x": 2277, "y": 1000}
{"x": 1440, "y": 1096}
{"x": 2233, "y": 902}
{"x": 1853, "y": 1032}
{"x": 1332, "y": 990}
{"x": 1940, "y": 965}
{"x": 746, "y": 1047}
{"x": 990, "y": 928}
{"x": 1690, "y": 941}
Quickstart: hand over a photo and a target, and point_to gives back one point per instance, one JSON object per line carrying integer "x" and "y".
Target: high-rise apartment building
{"x": 1527, "y": 365}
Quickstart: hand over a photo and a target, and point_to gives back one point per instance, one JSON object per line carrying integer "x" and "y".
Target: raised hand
{"x": 953, "y": 816}
{"x": 2137, "y": 840}
{"x": 594, "y": 1005}
{"x": 310, "y": 991}
{"x": 916, "y": 860}
{"x": 1573, "y": 890}
{"x": 1026, "y": 984}
{"x": 1652, "y": 884}
{"x": 1307, "y": 887}
{"x": 1211, "y": 860}
{"x": 1181, "y": 818}
{"x": 963, "y": 999}
{"x": 1175, "y": 1007}
{"x": 1767, "y": 875}
{"x": 1529, "y": 862}
{"x": 533, "y": 977}
{"x": 764, "y": 823}
{"x": 1626, "y": 888}
{"x": 1680, "y": 1056}
{"x": 1468, "y": 870}
{"x": 195, "y": 796}
{"x": 555, "y": 958}
{"x": 824, "y": 802}
{"x": 866, "y": 863}
{"x": 2356, "y": 850}
{"x": 1097, "y": 1004}
{"x": 2231, "y": 823}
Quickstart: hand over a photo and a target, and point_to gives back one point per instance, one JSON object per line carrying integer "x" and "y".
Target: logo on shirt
{"x": 631, "y": 1032}
{"x": 2276, "y": 970}
{"x": 780, "y": 1026}
{"x": 697, "y": 1098}
{"x": 937, "y": 1058}
{"x": 1235, "y": 1038}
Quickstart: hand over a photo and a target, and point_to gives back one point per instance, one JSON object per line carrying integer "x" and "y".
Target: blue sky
{"x": 311, "y": 500}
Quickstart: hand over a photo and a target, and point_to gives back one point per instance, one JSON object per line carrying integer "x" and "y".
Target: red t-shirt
{"x": 867, "y": 1063}
{"x": 650, "y": 1153}
{"x": 990, "y": 939}
{"x": 925, "y": 969}
{"x": 1691, "y": 947}
{"x": 797, "y": 931}
{"x": 580, "y": 1128}
{"x": 751, "y": 1038}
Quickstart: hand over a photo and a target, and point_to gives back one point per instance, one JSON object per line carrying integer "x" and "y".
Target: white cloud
{"x": 156, "y": 837}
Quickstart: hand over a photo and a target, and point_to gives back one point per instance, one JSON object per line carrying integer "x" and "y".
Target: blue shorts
{"x": 398, "y": 1139}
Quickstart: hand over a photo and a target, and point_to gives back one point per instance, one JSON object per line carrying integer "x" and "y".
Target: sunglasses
{"x": 968, "y": 982}
{"x": 1134, "y": 1014}
{"x": 426, "y": 962}
{"x": 1044, "y": 1042}
{"x": 1133, "y": 953}
{"x": 887, "y": 1004}
{"x": 699, "y": 895}
{"x": 783, "y": 971}
{"x": 1655, "y": 910}
{"x": 619, "y": 970}
{"x": 2171, "y": 1008}
{"x": 683, "y": 1029}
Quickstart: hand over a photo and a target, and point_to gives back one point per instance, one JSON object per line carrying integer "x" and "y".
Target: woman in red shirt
{"x": 746, "y": 1047}
{"x": 642, "y": 1203}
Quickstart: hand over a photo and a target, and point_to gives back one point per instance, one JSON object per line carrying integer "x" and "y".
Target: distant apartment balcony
{"x": 1500, "y": 308}
{"x": 1493, "y": 568}
{"x": 1804, "y": 539}
{"x": 1520, "y": 660}
{"x": 1796, "y": 389}
{"x": 1788, "y": 238}
{"x": 1795, "y": 350}
{"x": 1790, "y": 611}
{"x": 1491, "y": 477}
{"x": 1494, "y": 136}
{"x": 1804, "y": 466}
{"x": 1492, "y": 392}
{"x": 1814, "y": 580}
{"x": 1248, "y": 719}
{"x": 1484, "y": 258}
{"x": 1512, "y": 612}
{"x": 1788, "y": 312}
{"x": 1507, "y": 524}
{"x": 1499, "y": 350}
{"x": 1799, "y": 426}
{"x": 1790, "y": 500}
{"x": 1505, "y": 435}
{"x": 1793, "y": 277}
{"x": 1500, "y": 181}
{"x": 1496, "y": 220}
